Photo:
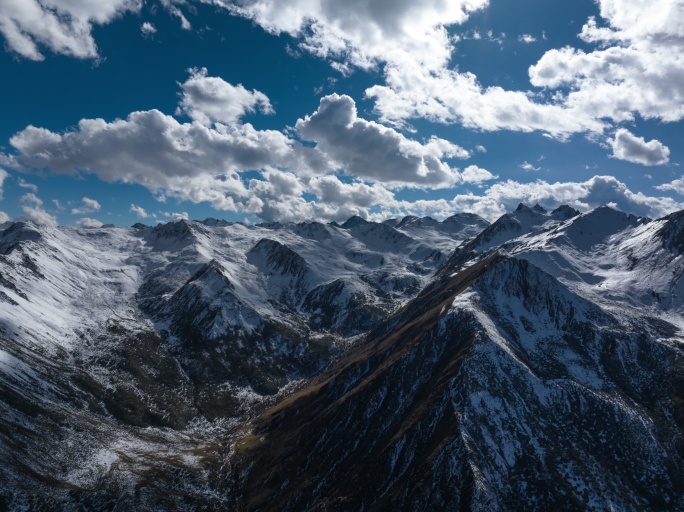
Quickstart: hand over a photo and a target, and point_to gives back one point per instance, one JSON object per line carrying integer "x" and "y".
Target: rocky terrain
{"x": 536, "y": 363}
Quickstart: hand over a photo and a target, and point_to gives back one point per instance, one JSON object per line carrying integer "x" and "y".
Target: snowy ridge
{"x": 497, "y": 389}
{"x": 106, "y": 333}
{"x": 536, "y": 363}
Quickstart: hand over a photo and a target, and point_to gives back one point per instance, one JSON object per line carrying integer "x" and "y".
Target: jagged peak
{"x": 422, "y": 222}
{"x": 465, "y": 215}
{"x": 270, "y": 225}
{"x": 312, "y": 230}
{"x": 276, "y": 256}
{"x": 613, "y": 213}
{"x": 672, "y": 231}
{"x": 212, "y": 268}
{"x": 179, "y": 229}
{"x": 213, "y": 222}
{"x": 21, "y": 231}
{"x": 538, "y": 208}
{"x": 354, "y": 222}
{"x": 267, "y": 245}
{"x": 565, "y": 211}
{"x": 408, "y": 219}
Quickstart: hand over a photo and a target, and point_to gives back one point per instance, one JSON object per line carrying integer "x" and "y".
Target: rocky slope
{"x": 125, "y": 352}
{"x": 537, "y": 365}
{"x": 502, "y": 386}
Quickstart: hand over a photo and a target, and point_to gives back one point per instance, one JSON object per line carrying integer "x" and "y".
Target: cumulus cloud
{"x": 155, "y": 150}
{"x": 61, "y": 27}
{"x": 675, "y": 186}
{"x": 139, "y": 211}
{"x": 330, "y": 190}
{"x": 210, "y": 99}
{"x": 361, "y": 33}
{"x": 448, "y": 96}
{"x": 32, "y": 206}
{"x": 203, "y": 160}
{"x": 636, "y": 69}
{"x": 371, "y": 151}
{"x": 475, "y": 174}
{"x": 4, "y": 218}
{"x": 147, "y": 29}
{"x": 411, "y": 42}
{"x": 87, "y": 206}
{"x": 187, "y": 161}
{"x": 179, "y": 216}
{"x": 88, "y": 223}
{"x": 629, "y": 147}
{"x": 597, "y": 191}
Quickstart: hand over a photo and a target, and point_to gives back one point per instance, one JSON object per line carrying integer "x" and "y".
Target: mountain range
{"x": 535, "y": 363}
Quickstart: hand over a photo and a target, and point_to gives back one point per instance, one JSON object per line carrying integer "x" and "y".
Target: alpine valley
{"x": 536, "y": 363}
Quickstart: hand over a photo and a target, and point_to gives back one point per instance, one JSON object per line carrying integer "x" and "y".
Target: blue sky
{"x": 124, "y": 111}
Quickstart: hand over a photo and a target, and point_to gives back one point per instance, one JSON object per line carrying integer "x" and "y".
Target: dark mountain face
{"x": 497, "y": 389}
{"x": 535, "y": 364}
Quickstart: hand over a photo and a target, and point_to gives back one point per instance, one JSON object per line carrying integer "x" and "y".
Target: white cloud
{"x": 361, "y": 33}
{"x": 210, "y": 99}
{"x": 85, "y": 222}
{"x": 638, "y": 67}
{"x": 148, "y": 29}
{"x": 447, "y": 96}
{"x": 526, "y": 166}
{"x": 139, "y": 211}
{"x": 675, "y": 186}
{"x": 330, "y": 190}
{"x": 3, "y": 176}
{"x": 156, "y": 151}
{"x": 597, "y": 191}
{"x": 32, "y": 206}
{"x": 172, "y": 7}
{"x": 180, "y": 216}
{"x": 25, "y": 184}
{"x": 527, "y": 38}
{"x": 87, "y": 206}
{"x": 62, "y": 27}
{"x": 475, "y": 174}
{"x": 371, "y": 151}
{"x": 4, "y": 218}
{"x": 629, "y": 147}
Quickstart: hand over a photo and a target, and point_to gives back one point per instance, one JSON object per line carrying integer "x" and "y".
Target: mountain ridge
{"x": 534, "y": 362}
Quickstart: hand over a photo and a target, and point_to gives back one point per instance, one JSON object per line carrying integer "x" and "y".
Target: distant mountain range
{"x": 536, "y": 363}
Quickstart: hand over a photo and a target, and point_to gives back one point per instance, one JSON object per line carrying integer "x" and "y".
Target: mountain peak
{"x": 212, "y": 222}
{"x": 564, "y": 211}
{"x": 353, "y": 222}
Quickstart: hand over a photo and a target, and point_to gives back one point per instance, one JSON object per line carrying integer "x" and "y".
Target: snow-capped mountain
{"x": 536, "y": 363}
{"x": 105, "y": 331}
{"x": 537, "y": 372}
